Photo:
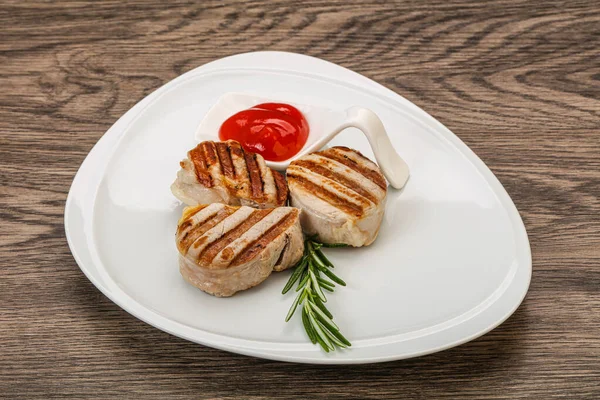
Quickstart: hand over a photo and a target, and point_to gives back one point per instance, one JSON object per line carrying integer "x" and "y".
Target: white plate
{"x": 452, "y": 260}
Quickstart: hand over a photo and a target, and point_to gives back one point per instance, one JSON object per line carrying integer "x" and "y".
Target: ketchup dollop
{"x": 276, "y": 131}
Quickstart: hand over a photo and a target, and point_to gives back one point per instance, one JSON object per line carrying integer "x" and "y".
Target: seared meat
{"x": 222, "y": 172}
{"x": 225, "y": 249}
{"x": 341, "y": 194}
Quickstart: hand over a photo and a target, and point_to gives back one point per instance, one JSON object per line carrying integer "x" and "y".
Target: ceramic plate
{"x": 452, "y": 260}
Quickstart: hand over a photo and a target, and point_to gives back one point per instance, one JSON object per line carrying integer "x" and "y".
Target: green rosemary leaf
{"x": 301, "y": 261}
{"x": 333, "y": 277}
{"x": 325, "y": 260}
{"x": 307, "y": 327}
{"x": 316, "y": 318}
{"x": 320, "y": 304}
{"x": 295, "y": 275}
{"x": 322, "y": 344}
{"x": 315, "y": 259}
{"x": 316, "y": 287}
{"x": 323, "y": 317}
{"x": 318, "y": 263}
{"x": 306, "y": 293}
{"x": 318, "y": 267}
{"x": 294, "y": 306}
{"x": 303, "y": 280}
{"x": 332, "y": 337}
{"x": 341, "y": 337}
{"x": 320, "y": 334}
{"x": 325, "y": 284}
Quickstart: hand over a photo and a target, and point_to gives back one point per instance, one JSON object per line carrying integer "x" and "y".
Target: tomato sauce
{"x": 277, "y": 131}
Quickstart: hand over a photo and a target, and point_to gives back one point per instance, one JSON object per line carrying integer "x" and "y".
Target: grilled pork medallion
{"x": 341, "y": 193}
{"x": 225, "y": 249}
{"x": 222, "y": 172}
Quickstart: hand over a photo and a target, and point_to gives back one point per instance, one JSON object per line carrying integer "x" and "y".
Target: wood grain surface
{"x": 518, "y": 81}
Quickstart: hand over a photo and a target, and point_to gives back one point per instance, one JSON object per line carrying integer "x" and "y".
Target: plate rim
{"x": 287, "y": 61}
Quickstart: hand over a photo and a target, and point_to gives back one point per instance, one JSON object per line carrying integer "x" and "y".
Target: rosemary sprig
{"x": 313, "y": 274}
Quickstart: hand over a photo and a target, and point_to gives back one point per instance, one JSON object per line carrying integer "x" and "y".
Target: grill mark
{"x": 210, "y": 153}
{"x": 196, "y": 155}
{"x": 259, "y": 171}
{"x": 236, "y": 149}
{"x": 329, "y": 197}
{"x": 186, "y": 224}
{"x": 186, "y": 218}
{"x": 215, "y": 247}
{"x": 249, "y": 185}
{"x": 208, "y": 226}
{"x": 336, "y": 189}
{"x": 281, "y": 189}
{"x": 237, "y": 153}
{"x": 343, "y": 159}
{"x": 267, "y": 237}
{"x": 201, "y": 228}
{"x": 336, "y": 177}
{"x": 198, "y": 242}
{"x": 256, "y": 184}
{"x": 224, "y": 154}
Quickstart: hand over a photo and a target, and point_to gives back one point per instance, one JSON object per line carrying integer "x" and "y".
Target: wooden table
{"x": 518, "y": 82}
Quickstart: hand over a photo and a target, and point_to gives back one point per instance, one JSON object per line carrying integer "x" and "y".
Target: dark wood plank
{"x": 518, "y": 81}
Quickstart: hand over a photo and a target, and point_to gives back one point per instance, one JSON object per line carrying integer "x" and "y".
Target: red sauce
{"x": 276, "y": 131}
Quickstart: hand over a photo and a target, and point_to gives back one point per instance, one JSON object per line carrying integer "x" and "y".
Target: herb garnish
{"x": 314, "y": 274}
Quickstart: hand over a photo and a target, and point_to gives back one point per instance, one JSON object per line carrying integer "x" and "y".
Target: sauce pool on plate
{"x": 277, "y": 131}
